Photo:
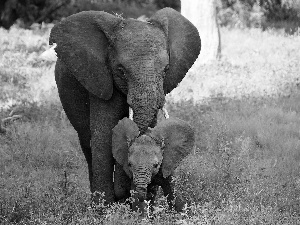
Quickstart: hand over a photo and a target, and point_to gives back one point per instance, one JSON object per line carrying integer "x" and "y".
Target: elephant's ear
{"x": 184, "y": 44}
{"x": 82, "y": 44}
{"x": 179, "y": 139}
{"x": 123, "y": 134}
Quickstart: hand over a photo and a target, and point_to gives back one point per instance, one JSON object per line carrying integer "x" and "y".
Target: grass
{"x": 253, "y": 64}
{"x": 244, "y": 169}
{"x": 25, "y": 77}
{"x": 245, "y": 110}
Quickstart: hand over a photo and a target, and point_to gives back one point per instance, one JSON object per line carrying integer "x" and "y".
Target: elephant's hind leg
{"x": 75, "y": 101}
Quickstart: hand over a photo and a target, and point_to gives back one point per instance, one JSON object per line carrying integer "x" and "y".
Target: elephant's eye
{"x": 166, "y": 68}
{"x": 129, "y": 164}
{"x": 121, "y": 71}
{"x": 155, "y": 165}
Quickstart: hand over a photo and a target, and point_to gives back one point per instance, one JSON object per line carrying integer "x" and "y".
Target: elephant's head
{"x": 144, "y": 60}
{"x": 161, "y": 148}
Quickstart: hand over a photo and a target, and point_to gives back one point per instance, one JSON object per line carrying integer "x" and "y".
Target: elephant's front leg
{"x": 104, "y": 115}
{"x": 141, "y": 206}
{"x": 151, "y": 193}
{"x": 138, "y": 205}
{"x": 174, "y": 201}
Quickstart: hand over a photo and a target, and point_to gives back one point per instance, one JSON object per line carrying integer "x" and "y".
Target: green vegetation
{"x": 245, "y": 109}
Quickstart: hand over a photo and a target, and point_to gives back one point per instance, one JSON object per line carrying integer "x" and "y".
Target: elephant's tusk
{"x": 50, "y": 54}
{"x": 165, "y": 112}
{"x": 130, "y": 113}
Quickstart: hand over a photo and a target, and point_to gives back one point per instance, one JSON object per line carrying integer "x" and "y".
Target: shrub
{"x": 47, "y": 11}
{"x": 265, "y": 14}
{"x": 241, "y": 15}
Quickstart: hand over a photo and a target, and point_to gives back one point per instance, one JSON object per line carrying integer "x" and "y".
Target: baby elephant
{"x": 150, "y": 159}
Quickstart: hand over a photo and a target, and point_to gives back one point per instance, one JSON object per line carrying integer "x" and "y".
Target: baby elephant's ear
{"x": 179, "y": 139}
{"x": 123, "y": 133}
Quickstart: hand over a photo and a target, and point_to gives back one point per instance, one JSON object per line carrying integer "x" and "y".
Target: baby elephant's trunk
{"x": 141, "y": 193}
{"x": 141, "y": 181}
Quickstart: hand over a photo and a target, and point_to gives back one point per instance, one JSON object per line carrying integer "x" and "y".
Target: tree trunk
{"x": 202, "y": 13}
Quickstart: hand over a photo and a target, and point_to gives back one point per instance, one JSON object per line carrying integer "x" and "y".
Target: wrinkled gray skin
{"x": 106, "y": 64}
{"x": 150, "y": 159}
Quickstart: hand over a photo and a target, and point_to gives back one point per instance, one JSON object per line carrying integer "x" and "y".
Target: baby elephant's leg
{"x": 174, "y": 201}
{"x": 151, "y": 194}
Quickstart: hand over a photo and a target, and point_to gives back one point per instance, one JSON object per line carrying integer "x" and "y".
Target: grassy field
{"x": 245, "y": 109}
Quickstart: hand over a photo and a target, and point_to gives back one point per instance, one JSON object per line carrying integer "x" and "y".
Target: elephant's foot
{"x": 97, "y": 203}
{"x": 151, "y": 195}
{"x": 145, "y": 207}
{"x": 179, "y": 204}
{"x": 101, "y": 200}
{"x": 175, "y": 202}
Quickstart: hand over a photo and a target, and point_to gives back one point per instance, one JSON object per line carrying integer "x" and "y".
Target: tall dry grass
{"x": 253, "y": 64}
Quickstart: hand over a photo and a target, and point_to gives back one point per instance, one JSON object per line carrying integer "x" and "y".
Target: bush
{"x": 241, "y": 15}
{"x": 37, "y": 11}
{"x": 252, "y": 13}
{"x": 175, "y": 4}
{"x": 127, "y": 10}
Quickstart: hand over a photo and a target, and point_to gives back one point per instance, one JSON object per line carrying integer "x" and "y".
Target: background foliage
{"x": 238, "y": 13}
{"x": 260, "y": 13}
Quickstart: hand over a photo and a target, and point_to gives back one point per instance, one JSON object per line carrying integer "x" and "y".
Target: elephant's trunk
{"x": 141, "y": 193}
{"x": 145, "y": 101}
{"x": 145, "y": 117}
{"x": 141, "y": 179}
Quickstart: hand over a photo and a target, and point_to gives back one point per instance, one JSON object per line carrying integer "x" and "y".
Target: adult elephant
{"x": 106, "y": 64}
